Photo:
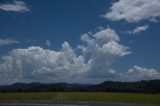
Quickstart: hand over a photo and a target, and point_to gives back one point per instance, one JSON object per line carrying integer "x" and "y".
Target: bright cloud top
{"x": 139, "y": 29}
{"x": 37, "y": 64}
{"x": 134, "y": 10}
{"x": 16, "y": 6}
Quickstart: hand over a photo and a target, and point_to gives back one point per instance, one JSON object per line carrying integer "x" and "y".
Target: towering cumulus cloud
{"x": 93, "y": 61}
{"x": 103, "y": 49}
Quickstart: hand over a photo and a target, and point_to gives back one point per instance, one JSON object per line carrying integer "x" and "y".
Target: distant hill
{"x": 152, "y": 86}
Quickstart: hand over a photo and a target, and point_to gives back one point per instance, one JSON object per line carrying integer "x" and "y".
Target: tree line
{"x": 150, "y": 86}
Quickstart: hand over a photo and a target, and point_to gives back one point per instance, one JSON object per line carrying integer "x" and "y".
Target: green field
{"x": 85, "y": 96}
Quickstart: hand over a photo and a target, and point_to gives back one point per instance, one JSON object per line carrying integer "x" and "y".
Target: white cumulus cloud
{"x": 98, "y": 53}
{"x": 16, "y": 6}
{"x": 140, "y": 73}
{"x": 134, "y": 10}
{"x": 93, "y": 62}
{"x": 38, "y": 64}
{"x": 103, "y": 48}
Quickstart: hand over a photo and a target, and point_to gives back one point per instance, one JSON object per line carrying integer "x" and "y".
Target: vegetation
{"x": 152, "y": 86}
{"x": 133, "y": 92}
{"x": 85, "y": 96}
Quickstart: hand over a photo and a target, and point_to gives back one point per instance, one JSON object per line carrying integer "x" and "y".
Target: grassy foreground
{"x": 85, "y": 96}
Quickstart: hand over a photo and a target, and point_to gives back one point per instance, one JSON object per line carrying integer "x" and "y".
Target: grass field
{"x": 85, "y": 96}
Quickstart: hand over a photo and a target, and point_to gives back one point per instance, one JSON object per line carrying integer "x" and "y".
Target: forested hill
{"x": 152, "y": 86}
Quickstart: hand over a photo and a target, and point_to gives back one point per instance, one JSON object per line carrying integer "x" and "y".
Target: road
{"x": 64, "y": 103}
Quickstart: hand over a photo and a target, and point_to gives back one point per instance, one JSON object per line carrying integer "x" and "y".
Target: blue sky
{"x": 46, "y": 24}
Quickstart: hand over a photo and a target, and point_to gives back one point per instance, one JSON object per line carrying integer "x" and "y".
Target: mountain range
{"x": 144, "y": 86}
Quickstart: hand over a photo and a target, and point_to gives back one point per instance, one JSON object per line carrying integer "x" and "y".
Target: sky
{"x": 79, "y": 41}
